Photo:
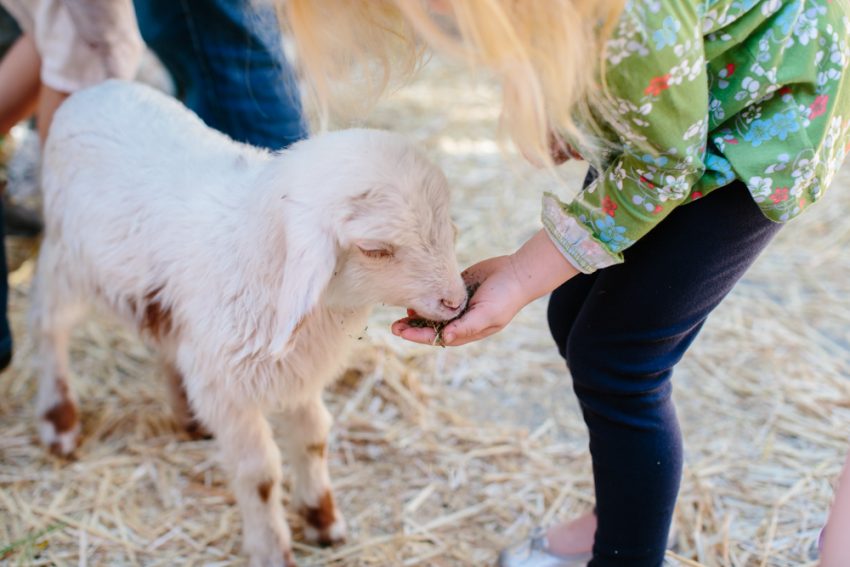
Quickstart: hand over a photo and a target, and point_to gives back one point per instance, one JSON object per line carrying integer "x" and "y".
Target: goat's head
{"x": 378, "y": 230}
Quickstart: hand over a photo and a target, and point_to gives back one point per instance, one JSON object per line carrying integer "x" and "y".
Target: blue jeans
{"x": 621, "y": 331}
{"x": 5, "y": 331}
{"x": 228, "y": 65}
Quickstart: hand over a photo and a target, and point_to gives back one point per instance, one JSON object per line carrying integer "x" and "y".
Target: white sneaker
{"x": 534, "y": 552}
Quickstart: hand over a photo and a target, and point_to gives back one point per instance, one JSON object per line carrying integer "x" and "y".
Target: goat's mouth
{"x": 438, "y": 326}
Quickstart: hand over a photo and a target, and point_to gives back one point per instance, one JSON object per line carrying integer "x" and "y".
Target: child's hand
{"x": 506, "y": 285}
{"x": 498, "y": 298}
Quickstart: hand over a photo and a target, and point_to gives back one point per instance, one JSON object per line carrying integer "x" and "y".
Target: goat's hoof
{"x": 284, "y": 559}
{"x": 60, "y": 442}
{"x": 324, "y": 534}
{"x": 328, "y": 538}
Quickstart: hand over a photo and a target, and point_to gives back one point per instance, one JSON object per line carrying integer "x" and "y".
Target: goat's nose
{"x": 452, "y": 304}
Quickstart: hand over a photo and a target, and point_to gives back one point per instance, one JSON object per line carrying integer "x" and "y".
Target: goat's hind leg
{"x": 307, "y": 428}
{"x": 52, "y": 316}
{"x": 253, "y": 463}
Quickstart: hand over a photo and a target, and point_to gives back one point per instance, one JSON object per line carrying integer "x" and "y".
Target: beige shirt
{"x": 81, "y": 42}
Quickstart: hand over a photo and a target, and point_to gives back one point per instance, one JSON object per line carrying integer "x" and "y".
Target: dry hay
{"x": 442, "y": 456}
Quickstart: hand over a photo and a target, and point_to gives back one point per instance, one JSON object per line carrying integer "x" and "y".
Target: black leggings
{"x": 621, "y": 331}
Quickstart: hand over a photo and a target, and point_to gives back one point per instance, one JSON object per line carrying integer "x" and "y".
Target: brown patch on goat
{"x": 196, "y": 430}
{"x": 322, "y": 517}
{"x": 317, "y": 449}
{"x": 264, "y": 489}
{"x": 156, "y": 318}
{"x": 63, "y": 415}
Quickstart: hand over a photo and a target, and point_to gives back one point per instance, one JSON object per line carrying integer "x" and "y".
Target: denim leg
{"x": 635, "y": 323}
{"x": 228, "y": 64}
{"x": 5, "y": 330}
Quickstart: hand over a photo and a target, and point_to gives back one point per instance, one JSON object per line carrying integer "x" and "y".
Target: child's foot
{"x": 574, "y": 537}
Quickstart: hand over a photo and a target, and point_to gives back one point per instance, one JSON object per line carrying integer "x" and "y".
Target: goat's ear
{"x": 307, "y": 270}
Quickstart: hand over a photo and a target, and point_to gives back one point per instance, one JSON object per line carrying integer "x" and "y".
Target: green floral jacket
{"x": 707, "y": 92}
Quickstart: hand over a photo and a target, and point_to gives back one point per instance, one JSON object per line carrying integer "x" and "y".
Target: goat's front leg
{"x": 307, "y": 428}
{"x": 59, "y": 424}
{"x": 53, "y": 314}
{"x": 253, "y": 462}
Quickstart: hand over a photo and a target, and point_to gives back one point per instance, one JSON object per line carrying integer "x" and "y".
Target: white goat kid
{"x": 250, "y": 272}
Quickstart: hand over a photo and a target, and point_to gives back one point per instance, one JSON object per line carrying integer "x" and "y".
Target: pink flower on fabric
{"x": 779, "y": 195}
{"x": 818, "y": 107}
{"x": 609, "y": 207}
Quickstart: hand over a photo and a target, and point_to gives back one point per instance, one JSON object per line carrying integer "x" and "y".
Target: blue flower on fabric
{"x": 760, "y": 131}
{"x": 659, "y": 161}
{"x": 783, "y": 124}
{"x": 610, "y": 233}
{"x": 667, "y": 34}
{"x": 721, "y": 166}
{"x": 787, "y": 16}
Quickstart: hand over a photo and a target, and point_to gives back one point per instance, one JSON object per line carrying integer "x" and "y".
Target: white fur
{"x": 254, "y": 258}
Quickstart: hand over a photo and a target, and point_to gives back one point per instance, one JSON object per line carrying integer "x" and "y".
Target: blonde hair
{"x": 547, "y": 55}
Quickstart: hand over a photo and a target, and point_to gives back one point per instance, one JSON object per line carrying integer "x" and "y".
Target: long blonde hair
{"x": 547, "y": 54}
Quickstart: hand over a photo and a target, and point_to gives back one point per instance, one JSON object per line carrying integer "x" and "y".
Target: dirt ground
{"x": 443, "y": 456}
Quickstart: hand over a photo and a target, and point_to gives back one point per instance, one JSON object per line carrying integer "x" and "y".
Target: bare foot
{"x": 574, "y": 537}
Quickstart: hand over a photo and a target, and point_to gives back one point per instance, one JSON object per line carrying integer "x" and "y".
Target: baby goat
{"x": 249, "y": 271}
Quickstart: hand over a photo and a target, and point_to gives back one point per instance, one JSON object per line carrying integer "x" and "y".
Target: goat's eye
{"x": 379, "y": 253}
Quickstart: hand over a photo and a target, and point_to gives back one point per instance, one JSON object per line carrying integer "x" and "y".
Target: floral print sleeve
{"x": 657, "y": 78}
{"x": 707, "y": 92}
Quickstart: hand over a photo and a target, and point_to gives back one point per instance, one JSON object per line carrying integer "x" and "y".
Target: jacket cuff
{"x": 573, "y": 239}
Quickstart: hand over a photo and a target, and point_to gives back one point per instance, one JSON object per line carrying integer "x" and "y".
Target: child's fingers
{"x": 469, "y": 327}
{"x": 483, "y": 334}
{"x": 400, "y": 325}
{"x": 423, "y": 335}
